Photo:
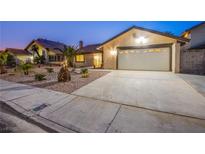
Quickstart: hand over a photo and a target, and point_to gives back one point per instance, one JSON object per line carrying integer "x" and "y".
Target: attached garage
{"x": 150, "y": 59}
{"x": 143, "y": 49}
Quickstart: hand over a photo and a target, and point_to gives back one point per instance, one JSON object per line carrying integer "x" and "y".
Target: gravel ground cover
{"x": 51, "y": 79}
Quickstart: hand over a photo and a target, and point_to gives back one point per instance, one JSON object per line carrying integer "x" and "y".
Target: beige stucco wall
{"x": 176, "y": 57}
{"x": 198, "y": 36}
{"x": 40, "y": 50}
{"x": 25, "y": 58}
{"x": 22, "y": 58}
{"x": 127, "y": 39}
{"x": 89, "y": 60}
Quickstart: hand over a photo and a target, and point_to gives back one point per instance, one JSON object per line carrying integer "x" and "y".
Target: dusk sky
{"x": 19, "y": 34}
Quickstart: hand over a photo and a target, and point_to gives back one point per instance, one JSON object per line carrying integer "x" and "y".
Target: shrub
{"x": 3, "y": 61}
{"x": 25, "y": 68}
{"x": 64, "y": 74}
{"x": 39, "y": 59}
{"x": 49, "y": 69}
{"x": 84, "y": 72}
{"x": 40, "y": 77}
{"x": 11, "y": 61}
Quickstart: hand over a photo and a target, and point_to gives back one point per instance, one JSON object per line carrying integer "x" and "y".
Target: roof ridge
{"x": 93, "y": 44}
{"x": 148, "y": 30}
{"x": 157, "y": 31}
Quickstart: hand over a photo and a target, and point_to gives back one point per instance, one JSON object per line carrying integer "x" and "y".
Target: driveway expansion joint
{"x": 113, "y": 119}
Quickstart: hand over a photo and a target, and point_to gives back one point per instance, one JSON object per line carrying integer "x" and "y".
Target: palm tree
{"x": 69, "y": 54}
{"x": 40, "y": 58}
{"x": 35, "y": 49}
{"x": 3, "y": 61}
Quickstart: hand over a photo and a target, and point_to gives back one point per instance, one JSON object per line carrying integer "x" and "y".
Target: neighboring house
{"x": 20, "y": 55}
{"x": 88, "y": 56}
{"x": 51, "y": 50}
{"x": 139, "y": 48}
{"x": 197, "y": 36}
{"x": 193, "y": 53}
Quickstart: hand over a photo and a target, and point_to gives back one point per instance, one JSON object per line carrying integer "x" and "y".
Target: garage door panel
{"x": 144, "y": 59}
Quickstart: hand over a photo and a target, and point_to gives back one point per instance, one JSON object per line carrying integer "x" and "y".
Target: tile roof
{"x": 92, "y": 48}
{"x": 17, "y": 51}
{"x": 51, "y": 45}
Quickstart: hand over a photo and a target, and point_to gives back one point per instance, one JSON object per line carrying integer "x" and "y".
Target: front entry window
{"x": 79, "y": 58}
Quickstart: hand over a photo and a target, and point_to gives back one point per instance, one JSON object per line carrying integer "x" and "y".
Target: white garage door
{"x": 156, "y": 59}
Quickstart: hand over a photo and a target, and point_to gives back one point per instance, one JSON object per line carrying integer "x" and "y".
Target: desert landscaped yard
{"x": 51, "y": 81}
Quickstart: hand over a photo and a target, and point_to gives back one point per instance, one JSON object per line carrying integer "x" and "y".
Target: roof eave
{"x": 180, "y": 39}
{"x": 29, "y": 44}
{"x": 96, "y": 51}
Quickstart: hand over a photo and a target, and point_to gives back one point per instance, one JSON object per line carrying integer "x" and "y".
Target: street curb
{"x": 35, "y": 119}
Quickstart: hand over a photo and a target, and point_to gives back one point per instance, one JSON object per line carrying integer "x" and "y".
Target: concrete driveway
{"x": 159, "y": 91}
{"x": 70, "y": 113}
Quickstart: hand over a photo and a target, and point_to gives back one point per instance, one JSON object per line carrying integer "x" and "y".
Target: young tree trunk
{"x": 2, "y": 69}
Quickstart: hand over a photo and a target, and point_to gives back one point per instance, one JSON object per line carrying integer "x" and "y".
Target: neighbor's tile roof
{"x": 92, "y": 48}
{"x": 18, "y": 51}
{"x": 51, "y": 45}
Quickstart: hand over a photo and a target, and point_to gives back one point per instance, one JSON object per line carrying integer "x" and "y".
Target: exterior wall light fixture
{"x": 141, "y": 40}
{"x": 113, "y": 52}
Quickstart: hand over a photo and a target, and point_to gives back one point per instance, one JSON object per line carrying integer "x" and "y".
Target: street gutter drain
{"x": 40, "y": 107}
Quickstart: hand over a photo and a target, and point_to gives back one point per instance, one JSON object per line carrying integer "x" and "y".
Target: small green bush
{"x": 84, "y": 72}
{"x": 49, "y": 69}
{"x": 25, "y": 68}
{"x": 40, "y": 77}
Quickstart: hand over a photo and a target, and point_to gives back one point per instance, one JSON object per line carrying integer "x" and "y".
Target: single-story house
{"x": 140, "y": 48}
{"x": 20, "y": 55}
{"x": 88, "y": 56}
{"x": 193, "y": 52}
{"x": 51, "y": 50}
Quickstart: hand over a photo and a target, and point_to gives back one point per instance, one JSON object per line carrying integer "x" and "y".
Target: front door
{"x": 97, "y": 60}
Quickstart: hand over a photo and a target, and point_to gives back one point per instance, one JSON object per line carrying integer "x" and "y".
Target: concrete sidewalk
{"x": 69, "y": 113}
